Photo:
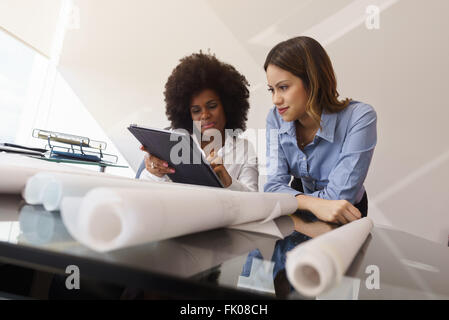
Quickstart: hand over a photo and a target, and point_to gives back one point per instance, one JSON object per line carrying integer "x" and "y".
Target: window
{"x": 34, "y": 95}
{"x": 16, "y": 66}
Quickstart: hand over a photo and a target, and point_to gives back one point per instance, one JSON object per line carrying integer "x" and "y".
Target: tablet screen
{"x": 180, "y": 152}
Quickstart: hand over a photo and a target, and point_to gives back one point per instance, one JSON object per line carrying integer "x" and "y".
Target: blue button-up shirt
{"x": 334, "y": 165}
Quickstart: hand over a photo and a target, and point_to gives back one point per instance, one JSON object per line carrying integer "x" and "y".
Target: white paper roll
{"x": 317, "y": 265}
{"x": 107, "y": 218}
{"x": 48, "y": 188}
{"x": 15, "y": 170}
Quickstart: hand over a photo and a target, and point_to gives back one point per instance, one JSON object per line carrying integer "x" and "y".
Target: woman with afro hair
{"x": 209, "y": 99}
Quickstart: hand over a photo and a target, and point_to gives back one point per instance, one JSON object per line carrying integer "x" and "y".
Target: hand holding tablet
{"x": 156, "y": 166}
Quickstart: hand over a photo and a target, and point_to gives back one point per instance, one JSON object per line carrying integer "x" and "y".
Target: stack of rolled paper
{"x": 106, "y": 213}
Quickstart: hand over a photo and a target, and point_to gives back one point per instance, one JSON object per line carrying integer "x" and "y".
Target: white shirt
{"x": 239, "y": 159}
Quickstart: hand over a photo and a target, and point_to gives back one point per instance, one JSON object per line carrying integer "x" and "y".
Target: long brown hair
{"x": 305, "y": 58}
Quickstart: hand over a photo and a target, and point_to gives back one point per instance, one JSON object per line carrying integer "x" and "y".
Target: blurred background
{"x": 92, "y": 67}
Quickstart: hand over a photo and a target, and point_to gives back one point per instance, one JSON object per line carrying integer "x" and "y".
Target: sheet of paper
{"x": 318, "y": 265}
{"x": 268, "y": 227}
{"x": 110, "y": 218}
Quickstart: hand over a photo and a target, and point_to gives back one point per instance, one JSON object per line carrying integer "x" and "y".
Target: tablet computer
{"x": 181, "y": 153}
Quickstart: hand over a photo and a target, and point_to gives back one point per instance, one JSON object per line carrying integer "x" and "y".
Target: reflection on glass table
{"x": 409, "y": 267}
{"x": 41, "y": 227}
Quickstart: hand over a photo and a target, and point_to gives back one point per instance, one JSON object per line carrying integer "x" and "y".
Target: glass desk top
{"x": 242, "y": 262}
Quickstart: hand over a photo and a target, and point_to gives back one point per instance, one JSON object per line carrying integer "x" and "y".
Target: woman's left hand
{"x": 216, "y": 163}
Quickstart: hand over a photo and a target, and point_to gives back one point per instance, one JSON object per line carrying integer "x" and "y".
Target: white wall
{"x": 120, "y": 57}
{"x": 32, "y": 22}
{"x": 401, "y": 70}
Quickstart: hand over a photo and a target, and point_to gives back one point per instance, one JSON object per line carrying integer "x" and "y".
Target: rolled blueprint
{"x": 107, "y": 218}
{"x": 48, "y": 188}
{"x": 317, "y": 265}
{"x": 15, "y": 170}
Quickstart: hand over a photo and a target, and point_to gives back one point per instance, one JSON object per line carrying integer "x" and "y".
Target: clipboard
{"x": 171, "y": 146}
{"x": 64, "y": 146}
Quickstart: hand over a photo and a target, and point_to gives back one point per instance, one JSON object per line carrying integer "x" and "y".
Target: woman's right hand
{"x": 334, "y": 211}
{"x": 155, "y": 165}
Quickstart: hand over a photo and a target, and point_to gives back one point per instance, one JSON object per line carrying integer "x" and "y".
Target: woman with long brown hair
{"x": 326, "y": 144}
